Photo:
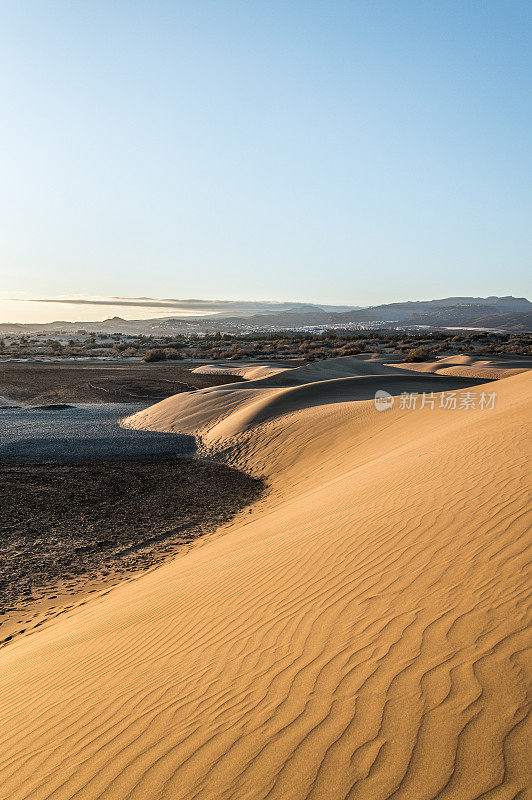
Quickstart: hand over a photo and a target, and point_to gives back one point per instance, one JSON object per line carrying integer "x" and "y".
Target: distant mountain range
{"x": 252, "y": 308}
{"x": 502, "y": 313}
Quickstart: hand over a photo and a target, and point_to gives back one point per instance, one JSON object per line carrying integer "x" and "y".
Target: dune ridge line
{"x": 364, "y": 633}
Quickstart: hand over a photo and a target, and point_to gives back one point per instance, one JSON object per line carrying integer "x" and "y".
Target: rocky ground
{"x": 78, "y": 522}
{"x": 92, "y": 382}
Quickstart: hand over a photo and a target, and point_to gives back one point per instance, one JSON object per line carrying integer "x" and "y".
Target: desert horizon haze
{"x": 358, "y": 154}
{"x": 84, "y": 309}
{"x": 265, "y": 400}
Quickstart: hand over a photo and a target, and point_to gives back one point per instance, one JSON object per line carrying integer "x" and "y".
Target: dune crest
{"x": 362, "y": 634}
{"x": 472, "y": 367}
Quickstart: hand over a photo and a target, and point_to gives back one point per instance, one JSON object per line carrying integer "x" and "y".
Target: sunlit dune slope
{"x": 242, "y": 406}
{"x": 473, "y": 367}
{"x": 249, "y": 371}
{"x": 362, "y": 634}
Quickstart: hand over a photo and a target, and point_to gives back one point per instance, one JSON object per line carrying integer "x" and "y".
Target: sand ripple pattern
{"x": 363, "y": 634}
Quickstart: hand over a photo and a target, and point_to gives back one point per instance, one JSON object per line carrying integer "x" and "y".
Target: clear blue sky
{"x": 336, "y": 152}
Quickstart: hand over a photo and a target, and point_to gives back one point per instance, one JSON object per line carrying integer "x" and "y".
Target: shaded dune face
{"x": 363, "y": 634}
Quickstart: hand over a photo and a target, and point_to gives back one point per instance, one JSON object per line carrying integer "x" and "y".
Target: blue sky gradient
{"x": 335, "y": 152}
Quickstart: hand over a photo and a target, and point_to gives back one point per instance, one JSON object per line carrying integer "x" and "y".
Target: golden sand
{"x": 361, "y": 635}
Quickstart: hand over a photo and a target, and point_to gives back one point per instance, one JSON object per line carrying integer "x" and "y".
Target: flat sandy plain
{"x": 364, "y": 633}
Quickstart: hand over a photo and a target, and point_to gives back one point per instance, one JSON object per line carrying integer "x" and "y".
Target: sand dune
{"x": 362, "y": 634}
{"x": 260, "y": 399}
{"x": 248, "y": 371}
{"x": 472, "y": 367}
{"x": 343, "y": 367}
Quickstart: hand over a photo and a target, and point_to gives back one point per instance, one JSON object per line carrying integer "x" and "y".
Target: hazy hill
{"x": 513, "y": 321}
{"x": 508, "y": 313}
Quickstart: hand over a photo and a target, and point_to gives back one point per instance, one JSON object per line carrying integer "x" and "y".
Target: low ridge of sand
{"x": 473, "y": 367}
{"x": 361, "y": 635}
{"x": 248, "y": 371}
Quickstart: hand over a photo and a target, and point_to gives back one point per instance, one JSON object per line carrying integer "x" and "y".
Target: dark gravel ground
{"x": 65, "y": 433}
{"x": 93, "y": 382}
{"x": 82, "y": 521}
{"x": 83, "y": 501}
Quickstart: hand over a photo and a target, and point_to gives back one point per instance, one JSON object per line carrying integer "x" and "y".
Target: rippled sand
{"x": 362, "y": 634}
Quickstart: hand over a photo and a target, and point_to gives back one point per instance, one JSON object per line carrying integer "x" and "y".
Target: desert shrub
{"x": 171, "y": 352}
{"x": 418, "y": 354}
{"x": 153, "y": 355}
